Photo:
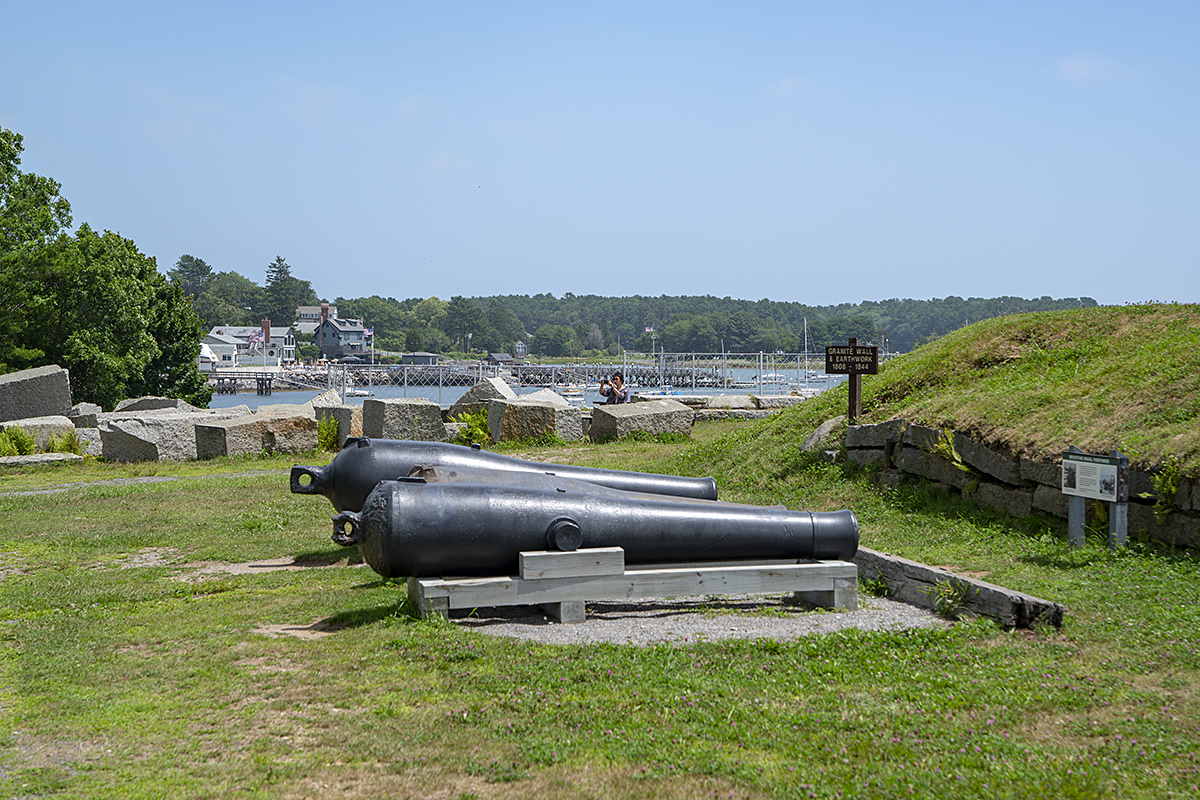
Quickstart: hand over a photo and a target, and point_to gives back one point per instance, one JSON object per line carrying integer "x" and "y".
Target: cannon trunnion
{"x": 363, "y": 462}
{"x": 466, "y": 521}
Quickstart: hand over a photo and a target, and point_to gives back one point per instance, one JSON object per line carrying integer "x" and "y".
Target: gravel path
{"x": 687, "y": 620}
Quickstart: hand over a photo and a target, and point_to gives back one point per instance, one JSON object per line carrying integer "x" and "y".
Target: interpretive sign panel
{"x": 853, "y": 359}
{"x": 1093, "y": 477}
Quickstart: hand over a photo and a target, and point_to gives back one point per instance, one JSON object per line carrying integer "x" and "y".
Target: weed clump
{"x": 16, "y": 442}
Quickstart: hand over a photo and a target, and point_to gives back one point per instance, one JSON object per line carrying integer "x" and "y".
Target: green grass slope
{"x": 1125, "y": 378}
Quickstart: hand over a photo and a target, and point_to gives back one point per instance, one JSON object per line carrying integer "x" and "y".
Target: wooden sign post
{"x": 854, "y": 360}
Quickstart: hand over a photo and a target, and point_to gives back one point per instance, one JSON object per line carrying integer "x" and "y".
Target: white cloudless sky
{"x": 798, "y": 151}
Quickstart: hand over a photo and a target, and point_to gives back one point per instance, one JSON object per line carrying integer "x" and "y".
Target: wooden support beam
{"x": 564, "y": 582}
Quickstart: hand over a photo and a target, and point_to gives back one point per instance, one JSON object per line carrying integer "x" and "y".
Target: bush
{"x": 16, "y": 442}
{"x": 477, "y": 430}
{"x": 67, "y": 443}
{"x": 327, "y": 434}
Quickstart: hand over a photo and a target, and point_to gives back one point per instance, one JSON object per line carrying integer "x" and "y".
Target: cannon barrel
{"x": 363, "y": 462}
{"x": 477, "y": 522}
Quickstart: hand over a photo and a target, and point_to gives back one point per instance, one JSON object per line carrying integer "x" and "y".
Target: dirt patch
{"x": 148, "y": 557}
{"x": 42, "y": 752}
{"x": 198, "y": 570}
{"x": 317, "y": 630}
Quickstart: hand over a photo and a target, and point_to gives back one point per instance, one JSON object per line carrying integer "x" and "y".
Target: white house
{"x": 252, "y": 349}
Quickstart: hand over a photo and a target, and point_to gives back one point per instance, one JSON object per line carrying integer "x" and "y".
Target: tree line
{"x": 592, "y": 325}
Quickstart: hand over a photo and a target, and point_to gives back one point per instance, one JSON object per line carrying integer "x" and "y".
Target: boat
{"x": 569, "y": 390}
{"x": 775, "y": 381}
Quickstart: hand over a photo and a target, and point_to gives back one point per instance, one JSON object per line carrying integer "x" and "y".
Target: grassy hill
{"x": 1125, "y": 378}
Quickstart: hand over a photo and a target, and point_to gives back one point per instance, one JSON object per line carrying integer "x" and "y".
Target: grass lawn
{"x": 142, "y": 657}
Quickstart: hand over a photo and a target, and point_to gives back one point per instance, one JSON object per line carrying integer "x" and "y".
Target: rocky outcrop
{"x": 518, "y": 420}
{"x": 413, "y": 419}
{"x": 915, "y": 583}
{"x": 478, "y": 396}
{"x": 157, "y": 435}
{"x": 256, "y": 433}
{"x": 39, "y": 392}
{"x": 716, "y": 408}
{"x": 85, "y": 415}
{"x": 153, "y": 403}
{"x": 546, "y": 396}
{"x": 652, "y": 417}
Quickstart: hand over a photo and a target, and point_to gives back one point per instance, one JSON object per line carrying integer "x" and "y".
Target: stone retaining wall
{"x": 998, "y": 479}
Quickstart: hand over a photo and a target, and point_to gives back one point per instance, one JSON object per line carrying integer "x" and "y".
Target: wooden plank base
{"x": 564, "y": 588}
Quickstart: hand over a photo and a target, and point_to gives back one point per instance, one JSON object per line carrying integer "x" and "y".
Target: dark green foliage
{"x": 91, "y": 303}
{"x": 16, "y": 442}
{"x": 284, "y": 293}
{"x": 327, "y": 434}
{"x": 192, "y": 274}
{"x": 230, "y": 299}
{"x": 100, "y": 308}
{"x": 31, "y": 212}
{"x": 477, "y": 430}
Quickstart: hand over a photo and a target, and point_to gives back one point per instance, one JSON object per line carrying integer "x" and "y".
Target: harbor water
{"x": 446, "y": 396}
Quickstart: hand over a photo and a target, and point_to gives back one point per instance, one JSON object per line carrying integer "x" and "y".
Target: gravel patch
{"x": 695, "y": 619}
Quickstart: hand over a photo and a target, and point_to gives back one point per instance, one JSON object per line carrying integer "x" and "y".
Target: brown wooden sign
{"x": 852, "y": 359}
{"x": 855, "y": 360}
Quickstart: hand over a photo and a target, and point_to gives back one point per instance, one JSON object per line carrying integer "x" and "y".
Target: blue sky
{"x": 799, "y": 151}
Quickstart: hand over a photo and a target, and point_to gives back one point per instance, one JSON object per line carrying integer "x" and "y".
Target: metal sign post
{"x": 854, "y": 360}
{"x": 1094, "y": 477}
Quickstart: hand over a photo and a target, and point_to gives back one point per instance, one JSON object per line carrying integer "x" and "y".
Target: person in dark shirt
{"x": 614, "y": 391}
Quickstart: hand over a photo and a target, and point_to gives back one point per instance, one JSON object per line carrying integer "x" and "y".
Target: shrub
{"x": 327, "y": 434}
{"x": 19, "y": 440}
{"x": 477, "y": 430}
{"x": 67, "y": 443}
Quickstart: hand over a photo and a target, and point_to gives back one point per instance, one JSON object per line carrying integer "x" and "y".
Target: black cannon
{"x": 362, "y": 463}
{"x": 464, "y": 521}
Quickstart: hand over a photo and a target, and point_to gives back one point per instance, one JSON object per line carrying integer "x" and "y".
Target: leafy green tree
{"x": 506, "y": 327}
{"x": 32, "y": 214}
{"x": 176, "y": 331}
{"x": 91, "y": 303}
{"x": 230, "y": 299}
{"x": 690, "y": 334}
{"x": 463, "y": 320}
{"x": 429, "y": 313}
{"x": 192, "y": 274}
{"x": 100, "y": 308}
{"x": 554, "y": 340}
{"x": 385, "y": 315}
{"x": 306, "y": 350}
{"x": 433, "y": 340}
{"x": 284, "y": 293}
